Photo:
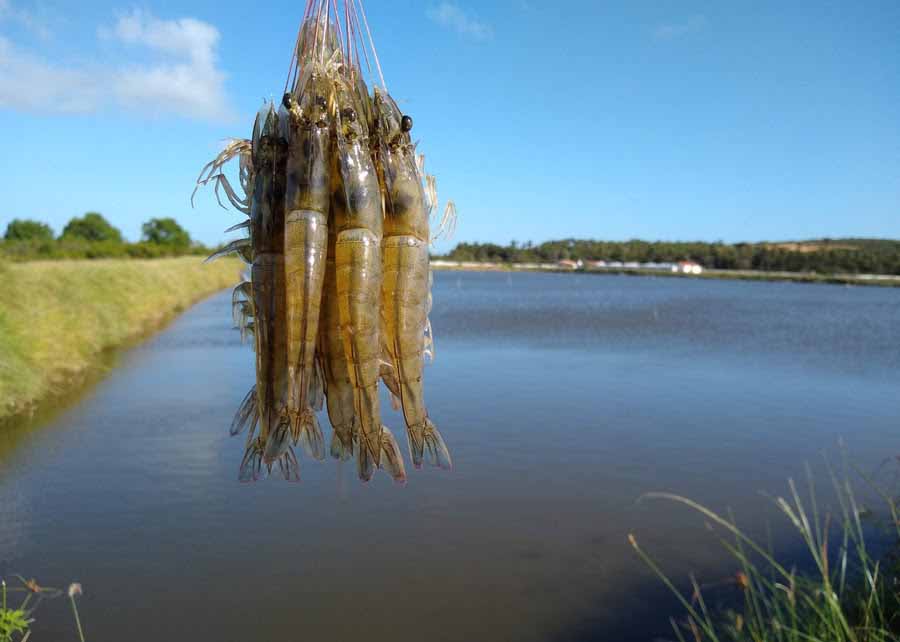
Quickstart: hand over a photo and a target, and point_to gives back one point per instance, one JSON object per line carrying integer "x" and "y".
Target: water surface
{"x": 563, "y": 399}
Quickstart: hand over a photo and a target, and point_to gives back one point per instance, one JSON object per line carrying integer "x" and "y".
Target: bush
{"x": 166, "y": 231}
{"x": 91, "y": 227}
{"x": 28, "y": 230}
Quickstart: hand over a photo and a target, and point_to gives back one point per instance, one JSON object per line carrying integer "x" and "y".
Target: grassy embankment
{"x": 58, "y": 317}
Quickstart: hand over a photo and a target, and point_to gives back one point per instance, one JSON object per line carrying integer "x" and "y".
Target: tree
{"x": 28, "y": 230}
{"x": 165, "y": 231}
{"x": 91, "y": 227}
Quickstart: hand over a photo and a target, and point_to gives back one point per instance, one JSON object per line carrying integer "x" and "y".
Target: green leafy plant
{"x": 13, "y": 621}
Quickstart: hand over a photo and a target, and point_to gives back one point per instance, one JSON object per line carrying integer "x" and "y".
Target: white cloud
{"x": 25, "y": 18}
{"x": 181, "y": 76}
{"x": 680, "y": 29}
{"x": 186, "y": 37}
{"x": 30, "y": 84}
{"x": 450, "y": 15}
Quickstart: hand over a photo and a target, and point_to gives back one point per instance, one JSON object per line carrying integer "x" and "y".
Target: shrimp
{"x": 339, "y": 290}
{"x": 357, "y": 219}
{"x": 258, "y": 304}
{"x": 308, "y": 114}
{"x": 405, "y": 288}
{"x": 268, "y": 294}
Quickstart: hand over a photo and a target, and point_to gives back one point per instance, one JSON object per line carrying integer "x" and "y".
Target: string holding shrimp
{"x": 339, "y": 223}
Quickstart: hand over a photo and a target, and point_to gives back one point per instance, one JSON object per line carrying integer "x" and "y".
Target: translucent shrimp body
{"x": 266, "y": 404}
{"x": 305, "y": 242}
{"x": 405, "y": 284}
{"x": 357, "y": 219}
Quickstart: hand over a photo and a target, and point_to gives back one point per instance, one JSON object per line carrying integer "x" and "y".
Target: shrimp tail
{"x": 255, "y": 467}
{"x": 342, "y": 443}
{"x": 305, "y": 431}
{"x": 251, "y": 464}
{"x": 288, "y": 466}
{"x": 365, "y": 463}
{"x": 426, "y": 444}
{"x": 246, "y": 415}
{"x": 278, "y": 443}
{"x": 391, "y": 459}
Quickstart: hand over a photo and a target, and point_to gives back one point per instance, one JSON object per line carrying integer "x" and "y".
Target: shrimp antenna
{"x": 295, "y": 54}
{"x": 358, "y": 35}
{"x": 337, "y": 25}
{"x": 349, "y": 52}
{"x": 362, "y": 11}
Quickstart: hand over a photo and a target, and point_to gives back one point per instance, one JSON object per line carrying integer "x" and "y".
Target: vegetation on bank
{"x": 847, "y": 595}
{"x": 826, "y": 256}
{"x": 58, "y": 316}
{"x": 17, "y": 613}
{"x": 92, "y": 237}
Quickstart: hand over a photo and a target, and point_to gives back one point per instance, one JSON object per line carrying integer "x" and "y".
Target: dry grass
{"x": 57, "y": 317}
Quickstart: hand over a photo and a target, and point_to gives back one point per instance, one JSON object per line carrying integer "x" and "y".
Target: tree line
{"x": 825, "y": 256}
{"x": 92, "y": 236}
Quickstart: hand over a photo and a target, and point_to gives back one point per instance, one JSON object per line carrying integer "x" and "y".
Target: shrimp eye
{"x": 287, "y": 100}
{"x": 320, "y": 101}
{"x": 406, "y": 124}
{"x": 348, "y": 114}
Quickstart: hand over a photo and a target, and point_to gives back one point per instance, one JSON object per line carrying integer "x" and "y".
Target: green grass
{"x": 847, "y": 596}
{"x": 58, "y": 317}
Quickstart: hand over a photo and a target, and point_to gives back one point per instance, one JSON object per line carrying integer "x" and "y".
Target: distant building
{"x": 688, "y": 267}
{"x": 566, "y": 264}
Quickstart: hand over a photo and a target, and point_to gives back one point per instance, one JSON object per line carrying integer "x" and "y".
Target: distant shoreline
{"x": 882, "y": 280}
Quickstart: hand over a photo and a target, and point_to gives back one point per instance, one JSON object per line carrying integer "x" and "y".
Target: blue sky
{"x": 657, "y": 120}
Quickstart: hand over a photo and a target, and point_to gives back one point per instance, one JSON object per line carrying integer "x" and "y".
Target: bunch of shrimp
{"x": 338, "y": 213}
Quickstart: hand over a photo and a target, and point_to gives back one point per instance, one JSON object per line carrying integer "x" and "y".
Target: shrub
{"x": 28, "y": 230}
{"x": 91, "y": 227}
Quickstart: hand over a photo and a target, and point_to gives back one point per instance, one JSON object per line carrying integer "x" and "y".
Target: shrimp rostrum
{"x": 338, "y": 297}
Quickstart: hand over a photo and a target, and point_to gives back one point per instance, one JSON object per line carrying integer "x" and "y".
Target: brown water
{"x": 563, "y": 399}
